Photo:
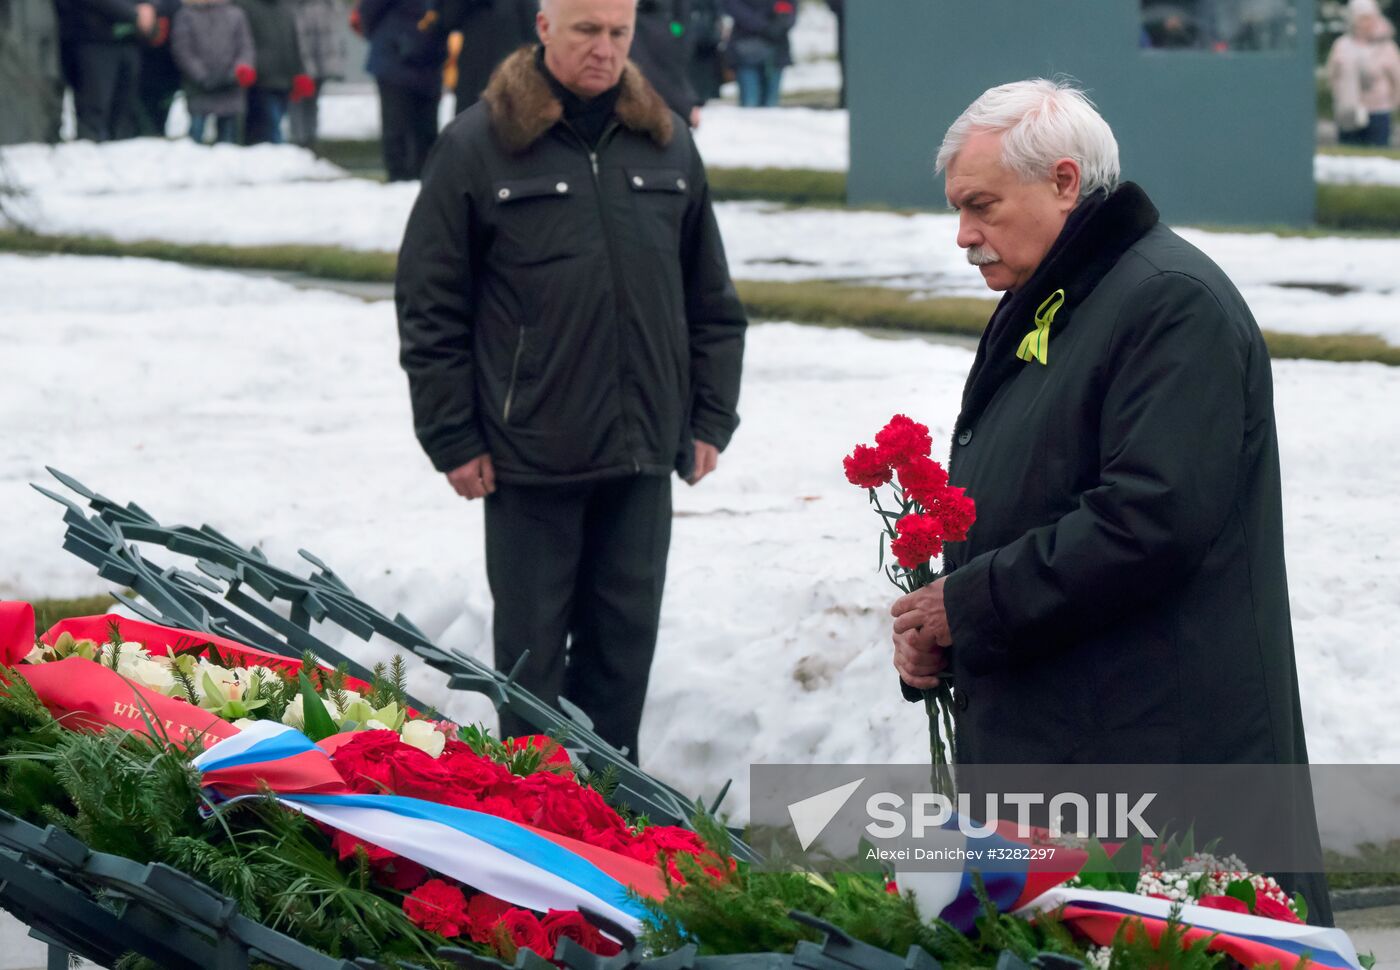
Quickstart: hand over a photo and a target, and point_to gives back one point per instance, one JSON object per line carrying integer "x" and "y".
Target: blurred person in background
{"x": 1363, "y": 69}
{"x": 30, "y": 76}
{"x": 280, "y": 76}
{"x": 706, "y": 49}
{"x": 159, "y": 78}
{"x": 407, "y": 49}
{"x": 103, "y": 62}
{"x": 213, "y": 46}
{"x": 491, "y": 31}
{"x": 322, "y": 48}
{"x": 838, "y": 7}
{"x": 758, "y": 48}
{"x": 662, "y": 49}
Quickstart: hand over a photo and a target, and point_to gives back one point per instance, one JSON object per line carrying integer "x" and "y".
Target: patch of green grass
{"x": 1368, "y": 208}
{"x": 841, "y": 304}
{"x": 1343, "y": 347}
{"x": 1359, "y": 206}
{"x": 1370, "y": 865}
{"x": 1365, "y": 151}
{"x": 796, "y": 186}
{"x": 47, "y": 612}
{"x": 819, "y": 302}
{"x": 361, "y": 157}
{"x": 327, "y": 262}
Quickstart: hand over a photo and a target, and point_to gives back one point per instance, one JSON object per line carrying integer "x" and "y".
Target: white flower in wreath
{"x": 244, "y": 723}
{"x": 231, "y": 682}
{"x": 149, "y": 673}
{"x": 425, "y": 737}
{"x": 295, "y": 714}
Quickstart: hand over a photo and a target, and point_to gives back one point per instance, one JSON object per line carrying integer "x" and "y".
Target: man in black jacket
{"x": 662, "y": 50}
{"x": 491, "y": 31}
{"x": 103, "y": 62}
{"x": 1121, "y": 597}
{"x": 571, "y": 337}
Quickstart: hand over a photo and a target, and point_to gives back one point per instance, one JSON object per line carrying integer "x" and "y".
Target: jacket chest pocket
{"x": 534, "y": 221}
{"x": 659, "y": 195}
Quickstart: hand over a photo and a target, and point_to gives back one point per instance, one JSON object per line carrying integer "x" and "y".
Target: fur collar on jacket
{"x": 522, "y": 106}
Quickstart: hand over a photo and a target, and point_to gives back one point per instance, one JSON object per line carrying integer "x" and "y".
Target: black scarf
{"x": 1096, "y": 235}
{"x": 587, "y": 117}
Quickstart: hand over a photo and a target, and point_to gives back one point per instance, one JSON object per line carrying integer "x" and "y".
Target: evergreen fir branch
{"x": 398, "y": 679}
{"x": 605, "y": 782}
{"x": 379, "y": 690}
{"x": 186, "y": 683}
{"x": 115, "y": 639}
{"x": 336, "y": 689}
{"x": 1134, "y": 948}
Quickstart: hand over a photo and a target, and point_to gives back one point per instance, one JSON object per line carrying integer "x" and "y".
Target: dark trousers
{"x": 576, "y": 572}
{"x": 1376, "y": 132}
{"x": 263, "y": 122}
{"x": 156, "y": 89}
{"x": 225, "y": 128}
{"x": 303, "y": 117}
{"x": 408, "y": 126}
{"x": 104, "y": 90}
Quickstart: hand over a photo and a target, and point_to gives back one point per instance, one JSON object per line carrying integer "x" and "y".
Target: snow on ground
{"x": 155, "y": 165}
{"x": 1357, "y": 170}
{"x": 730, "y": 137}
{"x": 284, "y": 196}
{"x": 280, "y": 417}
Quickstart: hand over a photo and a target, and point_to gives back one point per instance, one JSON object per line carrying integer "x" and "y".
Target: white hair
{"x": 1043, "y": 121}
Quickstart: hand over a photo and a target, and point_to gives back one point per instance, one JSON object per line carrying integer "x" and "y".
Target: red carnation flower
{"x": 1268, "y": 906}
{"x": 902, "y": 440}
{"x": 520, "y": 929}
{"x": 866, "y": 467}
{"x": 437, "y": 907}
{"x": 561, "y": 924}
{"x": 399, "y": 873}
{"x": 955, "y": 510}
{"x": 923, "y": 479}
{"x": 920, "y": 539}
{"x": 483, "y": 913}
{"x": 1229, "y": 903}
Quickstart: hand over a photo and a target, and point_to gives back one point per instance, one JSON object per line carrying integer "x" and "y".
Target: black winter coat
{"x": 1121, "y": 596}
{"x": 274, "y": 28}
{"x": 663, "y": 54}
{"x": 401, "y": 54}
{"x": 569, "y": 312}
{"x": 760, "y": 34}
{"x": 96, "y": 21}
{"x": 491, "y": 30}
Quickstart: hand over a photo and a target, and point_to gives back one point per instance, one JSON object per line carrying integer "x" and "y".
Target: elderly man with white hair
{"x": 1122, "y": 595}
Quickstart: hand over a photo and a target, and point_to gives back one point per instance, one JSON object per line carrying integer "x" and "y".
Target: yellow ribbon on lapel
{"x": 1036, "y": 344}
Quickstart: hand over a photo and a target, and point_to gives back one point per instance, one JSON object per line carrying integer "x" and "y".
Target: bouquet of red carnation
{"x": 929, "y": 513}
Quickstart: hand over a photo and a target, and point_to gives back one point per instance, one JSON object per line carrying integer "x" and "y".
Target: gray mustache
{"x": 982, "y": 255}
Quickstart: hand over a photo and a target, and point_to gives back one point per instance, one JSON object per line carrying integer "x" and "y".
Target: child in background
{"x": 323, "y": 59}
{"x": 281, "y": 78}
{"x": 213, "y": 46}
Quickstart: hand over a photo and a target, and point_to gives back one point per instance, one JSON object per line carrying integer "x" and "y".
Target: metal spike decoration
{"x": 236, "y": 593}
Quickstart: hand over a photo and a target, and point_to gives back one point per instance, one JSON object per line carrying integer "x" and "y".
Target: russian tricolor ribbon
{"x": 1028, "y": 889}
{"x": 518, "y": 863}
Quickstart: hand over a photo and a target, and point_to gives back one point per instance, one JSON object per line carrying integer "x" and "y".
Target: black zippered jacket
{"x": 567, "y": 310}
